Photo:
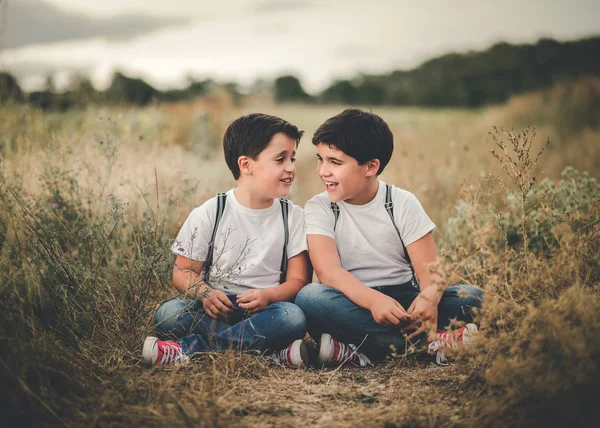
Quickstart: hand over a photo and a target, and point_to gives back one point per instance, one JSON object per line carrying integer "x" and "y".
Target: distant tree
{"x": 288, "y": 88}
{"x": 129, "y": 90}
{"x": 195, "y": 88}
{"x": 340, "y": 91}
{"x": 474, "y": 79}
{"x": 82, "y": 90}
{"x": 46, "y": 100}
{"x": 199, "y": 87}
{"x": 10, "y": 89}
{"x": 49, "y": 85}
{"x": 233, "y": 89}
{"x": 41, "y": 99}
{"x": 261, "y": 86}
{"x": 370, "y": 91}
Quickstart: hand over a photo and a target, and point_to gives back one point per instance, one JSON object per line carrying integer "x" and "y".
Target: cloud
{"x": 350, "y": 51}
{"x": 272, "y": 30}
{"x": 269, "y": 6}
{"x": 35, "y": 22}
{"x": 39, "y": 68}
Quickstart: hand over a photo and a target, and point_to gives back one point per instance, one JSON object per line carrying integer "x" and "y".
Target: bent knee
{"x": 310, "y": 294}
{"x": 293, "y": 314}
{"x": 291, "y": 319}
{"x": 471, "y": 296}
{"x": 170, "y": 311}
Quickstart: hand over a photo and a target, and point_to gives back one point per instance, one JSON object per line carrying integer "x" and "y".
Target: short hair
{"x": 363, "y": 135}
{"x": 249, "y": 135}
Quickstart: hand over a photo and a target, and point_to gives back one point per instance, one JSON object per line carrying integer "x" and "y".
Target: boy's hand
{"x": 424, "y": 312}
{"x": 217, "y": 305}
{"x": 254, "y": 301}
{"x": 386, "y": 311}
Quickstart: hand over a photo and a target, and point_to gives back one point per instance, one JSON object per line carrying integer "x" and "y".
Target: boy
{"x": 241, "y": 256}
{"x": 369, "y": 244}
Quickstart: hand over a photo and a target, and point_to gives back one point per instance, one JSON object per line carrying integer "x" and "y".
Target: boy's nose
{"x": 323, "y": 170}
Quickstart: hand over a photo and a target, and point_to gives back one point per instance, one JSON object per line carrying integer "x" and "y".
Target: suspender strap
{"x": 336, "y": 214}
{"x": 285, "y": 208}
{"x": 221, "y": 201}
{"x": 389, "y": 207}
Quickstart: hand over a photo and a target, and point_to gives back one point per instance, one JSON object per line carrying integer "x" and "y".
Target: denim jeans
{"x": 184, "y": 320}
{"x": 329, "y": 311}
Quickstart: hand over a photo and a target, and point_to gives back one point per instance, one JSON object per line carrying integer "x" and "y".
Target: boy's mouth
{"x": 287, "y": 180}
{"x": 330, "y": 186}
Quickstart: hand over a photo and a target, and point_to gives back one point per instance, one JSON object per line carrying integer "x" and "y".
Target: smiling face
{"x": 273, "y": 170}
{"x": 344, "y": 179}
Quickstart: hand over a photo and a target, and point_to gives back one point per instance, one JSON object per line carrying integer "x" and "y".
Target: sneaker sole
{"x": 469, "y": 334}
{"x": 300, "y": 353}
{"x": 149, "y": 351}
{"x": 325, "y": 349}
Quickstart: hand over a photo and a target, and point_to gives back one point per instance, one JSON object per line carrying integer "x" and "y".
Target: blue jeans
{"x": 184, "y": 320}
{"x": 329, "y": 311}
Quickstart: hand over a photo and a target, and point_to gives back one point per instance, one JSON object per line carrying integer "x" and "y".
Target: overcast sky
{"x": 164, "y": 41}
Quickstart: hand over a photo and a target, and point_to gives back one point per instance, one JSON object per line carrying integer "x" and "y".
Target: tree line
{"x": 471, "y": 79}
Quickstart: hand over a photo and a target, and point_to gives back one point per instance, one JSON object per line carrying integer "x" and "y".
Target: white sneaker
{"x": 294, "y": 355}
{"x": 334, "y": 352}
{"x": 158, "y": 352}
{"x": 453, "y": 339}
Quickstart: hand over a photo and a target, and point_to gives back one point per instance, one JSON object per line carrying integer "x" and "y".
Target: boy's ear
{"x": 246, "y": 165}
{"x": 372, "y": 167}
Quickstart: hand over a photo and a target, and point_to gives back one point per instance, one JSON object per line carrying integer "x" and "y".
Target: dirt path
{"x": 221, "y": 390}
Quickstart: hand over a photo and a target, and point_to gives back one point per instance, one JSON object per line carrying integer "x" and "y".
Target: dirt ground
{"x": 233, "y": 390}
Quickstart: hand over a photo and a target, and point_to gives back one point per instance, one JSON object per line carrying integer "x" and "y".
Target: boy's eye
{"x": 293, "y": 160}
{"x": 335, "y": 162}
{"x": 279, "y": 160}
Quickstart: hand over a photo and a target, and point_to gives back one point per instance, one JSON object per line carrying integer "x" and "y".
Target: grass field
{"x": 90, "y": 201}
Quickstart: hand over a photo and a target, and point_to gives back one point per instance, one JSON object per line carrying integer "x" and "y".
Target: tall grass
{"x": 90, "y": 201}
{"x": 536, "y": 250}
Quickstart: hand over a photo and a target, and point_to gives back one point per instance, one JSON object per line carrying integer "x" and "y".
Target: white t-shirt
{"x": 248, "y": 244}
{"x": 365, "y": 237}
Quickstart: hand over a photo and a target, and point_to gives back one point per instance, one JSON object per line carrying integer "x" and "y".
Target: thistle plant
{"x": 515, "y": 156}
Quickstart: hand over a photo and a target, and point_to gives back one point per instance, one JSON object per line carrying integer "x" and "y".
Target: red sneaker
{"x": 294, "y": 355}
{"x": 157, "y": 352}
{"x": 334, "y": 352}
{"x": 453, "y": 339}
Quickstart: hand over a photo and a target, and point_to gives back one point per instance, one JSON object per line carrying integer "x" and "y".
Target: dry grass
{"x": 90, "y": 200}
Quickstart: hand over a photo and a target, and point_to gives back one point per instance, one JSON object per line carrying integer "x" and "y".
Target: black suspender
{"x": 285, "y": 208}
{"x": 336, "y": 214}
{"x": 389, "y": 207}
{"x": 221, "y": 202}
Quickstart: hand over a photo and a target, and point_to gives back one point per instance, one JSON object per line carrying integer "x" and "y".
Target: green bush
{"x": 76, "y": 283}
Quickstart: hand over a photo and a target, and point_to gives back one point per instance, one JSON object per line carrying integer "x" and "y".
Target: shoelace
{"x": 445, "y": 340}
{"x": 350, "y": 352}
{"x": 281, "y": 357}
{"x": 172, "y": 355}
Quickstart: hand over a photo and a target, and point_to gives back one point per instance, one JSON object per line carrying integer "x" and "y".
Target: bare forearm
{"x": 427, "y": 266}
{"x": 340, "y": 279}
{"x": 432, "y": 280}
{"x": 287, "y": 291}
{"x": 189, "y": 282}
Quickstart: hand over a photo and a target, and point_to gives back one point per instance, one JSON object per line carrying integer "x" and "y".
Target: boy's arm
{"x": 298, "y": 274}
{"x": 326, "y": 262}
{"x": 188, "y": 280}
{"x": 424, "y": 308}
{"x": 423, "y": 254}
